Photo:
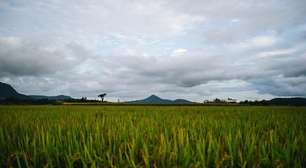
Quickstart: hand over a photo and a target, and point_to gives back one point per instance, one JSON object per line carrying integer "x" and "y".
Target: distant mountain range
{"x": 59, "y": 97}
{"x": 296, "y": 101}
{"x": 8, "y": 92}
{"x": 153, "y": 99}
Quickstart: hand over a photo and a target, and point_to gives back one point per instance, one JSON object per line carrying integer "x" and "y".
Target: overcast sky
{"x": 193, "y": 49}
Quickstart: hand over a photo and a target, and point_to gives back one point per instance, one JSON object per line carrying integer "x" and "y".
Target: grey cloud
{"x": 281, "y": 86}
{"x": 23, "y": 57}
{"x": 234, "y": 20}
{"x": 198, "y": 67}
{"x": 245, "y": 48}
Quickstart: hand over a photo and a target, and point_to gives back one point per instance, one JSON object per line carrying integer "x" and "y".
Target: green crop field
{"x": 152, "y": 136}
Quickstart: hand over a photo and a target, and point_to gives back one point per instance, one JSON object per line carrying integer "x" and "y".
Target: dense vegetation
{"x": 152, "y": 136}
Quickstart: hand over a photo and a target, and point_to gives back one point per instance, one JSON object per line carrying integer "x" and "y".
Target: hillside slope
{"x": 7, "y": 91}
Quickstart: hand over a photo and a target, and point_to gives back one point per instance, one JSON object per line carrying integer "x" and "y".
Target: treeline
{"x": 8, "y": 101}
{"x": 21, "y": 101}
{"x": 298, "y": 101}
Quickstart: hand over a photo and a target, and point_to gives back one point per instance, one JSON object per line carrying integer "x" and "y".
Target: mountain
{"x": 7, "y": 91}
{"x": 181, "y": 101}
{"x": 153, "y": 99}
{"x": 296, "y": 101}
{"x": 59, "y": 97}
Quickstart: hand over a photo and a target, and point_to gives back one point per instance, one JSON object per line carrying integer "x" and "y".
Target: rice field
{"x": 152, "y": 136}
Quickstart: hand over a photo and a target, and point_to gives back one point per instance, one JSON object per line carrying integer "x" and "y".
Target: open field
{"x": 152, "y": 136}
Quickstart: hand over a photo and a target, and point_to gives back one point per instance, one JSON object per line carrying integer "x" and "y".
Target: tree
{"x": 216, "y": 100}
{"x": 84, "y": 99}
{"x": 102, "y": 96}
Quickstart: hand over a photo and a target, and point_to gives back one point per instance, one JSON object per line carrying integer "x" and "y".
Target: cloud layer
{"x": 129, "y": 49}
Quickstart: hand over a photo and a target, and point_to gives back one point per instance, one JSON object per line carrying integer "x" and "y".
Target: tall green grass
{"x": 152, "y": 136}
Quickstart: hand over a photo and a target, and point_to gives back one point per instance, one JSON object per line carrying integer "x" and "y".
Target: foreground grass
{"x": 152, "y": 136}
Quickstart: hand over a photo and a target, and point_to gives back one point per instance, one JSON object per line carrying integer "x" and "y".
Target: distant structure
{"x": 231, "y": 100}
{"x": 217, "y": 100}
{"x": 102, "y": 96}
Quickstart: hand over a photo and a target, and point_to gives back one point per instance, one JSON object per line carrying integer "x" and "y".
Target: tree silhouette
{"x": 102, "y": 96}
{"x": 84, "y": 99}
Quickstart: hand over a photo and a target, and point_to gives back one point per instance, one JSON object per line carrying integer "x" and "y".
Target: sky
{"x": 130, "y": 49}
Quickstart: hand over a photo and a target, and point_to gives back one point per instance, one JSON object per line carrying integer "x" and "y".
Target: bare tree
{"x": 102, "y": 96}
